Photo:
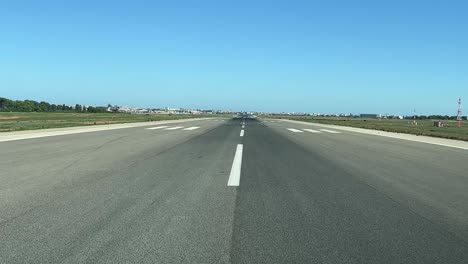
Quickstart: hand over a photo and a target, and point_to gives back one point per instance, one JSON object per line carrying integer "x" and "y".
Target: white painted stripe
{"x": 174, "y": 128}
{"x": 243, "y": 126}
{"x": 53, "y": 132}
{"x": 191, "y": 128}
{"x": 242, "y": 133}
{"x": 451, "y": 143}
{"x": 330, "y": 131}
{"x": 159, "y": 127}
{"x": 311, "y": 130}
{"x": 234, "y": 176}
{"x": 295, "y": 130}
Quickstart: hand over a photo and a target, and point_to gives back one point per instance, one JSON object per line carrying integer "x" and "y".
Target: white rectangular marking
{"x": 242, "y": 133}
{"x": 330, "y": 131}
{"x": 234, "y": 176}
{"x": 159, "y": 127}
{"x": 295, "y": 130}
{"x": 174, "y": 128}
{"x": 243, "y": 126}
{"x": 191, "y": 128}
{"x": 311, "y": 130}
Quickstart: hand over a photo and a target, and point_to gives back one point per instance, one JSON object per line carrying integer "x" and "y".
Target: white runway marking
{"x": 330, "y": 131}
{"x": 311, "y": 130}
{"x": 401, "y": 136}
{"x": 174, "y": 128}
{"x": 159, "y": 127}
{"x": 243, "y": 126}
{"x": 234, "y": 176}
{"x": 191, "y": 128}
{"x": 242, "y": 133}
{"x": 54, "y": 132}
{"x": 295, "y": 130}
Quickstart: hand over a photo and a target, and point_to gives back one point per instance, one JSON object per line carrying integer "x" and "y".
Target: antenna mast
{"x": 459, "y": 113}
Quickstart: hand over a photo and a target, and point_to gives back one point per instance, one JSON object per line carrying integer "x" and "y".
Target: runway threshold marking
{"x": 311, "y": 130}
{"x": 295, "y": 130}
{"x": 159, "y": 127}
{"x": 191, "y": 128}
{"x": 174, "y": 128}
{"x": 330, "y": 131}
{"x": 242, "y": 133}
{"x": 234, "y": 176}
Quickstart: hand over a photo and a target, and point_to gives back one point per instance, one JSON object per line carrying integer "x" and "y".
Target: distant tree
{"x": 43, "y": 107}
{"x": 26, "y": 106}
{"x": 4, "y": 104}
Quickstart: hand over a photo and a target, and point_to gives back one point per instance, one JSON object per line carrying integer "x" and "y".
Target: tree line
{"x": 7, "y": 105}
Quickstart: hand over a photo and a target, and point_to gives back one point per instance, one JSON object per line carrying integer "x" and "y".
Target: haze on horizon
{"x": 275, "y": 56}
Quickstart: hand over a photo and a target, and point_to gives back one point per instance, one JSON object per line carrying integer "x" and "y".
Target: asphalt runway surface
{"x": 212, "y": 191}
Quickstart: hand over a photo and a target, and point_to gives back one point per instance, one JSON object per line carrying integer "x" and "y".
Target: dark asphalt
{"x": 140, "y": 196}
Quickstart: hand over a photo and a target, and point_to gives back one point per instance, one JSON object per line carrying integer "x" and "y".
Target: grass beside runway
{"x": 424, "y": 127}
{"x": 17, "y": 121}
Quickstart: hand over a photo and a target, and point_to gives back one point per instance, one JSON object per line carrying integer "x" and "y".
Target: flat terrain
{"x": 423, "y": 128}
{"x": 16, "y": 121}
{"x": 159, "y": 194}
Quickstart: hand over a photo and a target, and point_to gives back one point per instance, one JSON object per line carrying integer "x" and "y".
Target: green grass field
{"x": 15, "y": 121}
{"x": 424, "y": 127}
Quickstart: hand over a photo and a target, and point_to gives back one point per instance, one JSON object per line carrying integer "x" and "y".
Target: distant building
{"x": 370, "y": 115}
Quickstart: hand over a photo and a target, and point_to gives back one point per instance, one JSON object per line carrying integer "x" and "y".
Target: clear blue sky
{"x": 303, "y": 56}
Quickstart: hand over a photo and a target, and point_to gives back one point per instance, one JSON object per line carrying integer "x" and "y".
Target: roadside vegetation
{"x": 16, "y": 121}
{"x": 16, "y": 115}
{"x": 424, "y": 127}
{"x": 7, "y": 105}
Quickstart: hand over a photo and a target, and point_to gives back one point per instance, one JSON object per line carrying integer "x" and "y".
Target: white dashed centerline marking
{"x": 330, "y": 131}
{"x": 242, "y": 133}
{"x": 191, "y": 128}
{"x": 295, "y": 130}
{"x": 174, "y": 128}
{"x": 311, "y": 130}
{"x": 159, "y": 127}
{"x": 234, "y": 176}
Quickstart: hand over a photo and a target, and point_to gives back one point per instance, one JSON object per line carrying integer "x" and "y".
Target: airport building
{"x": 370, "y": 115}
